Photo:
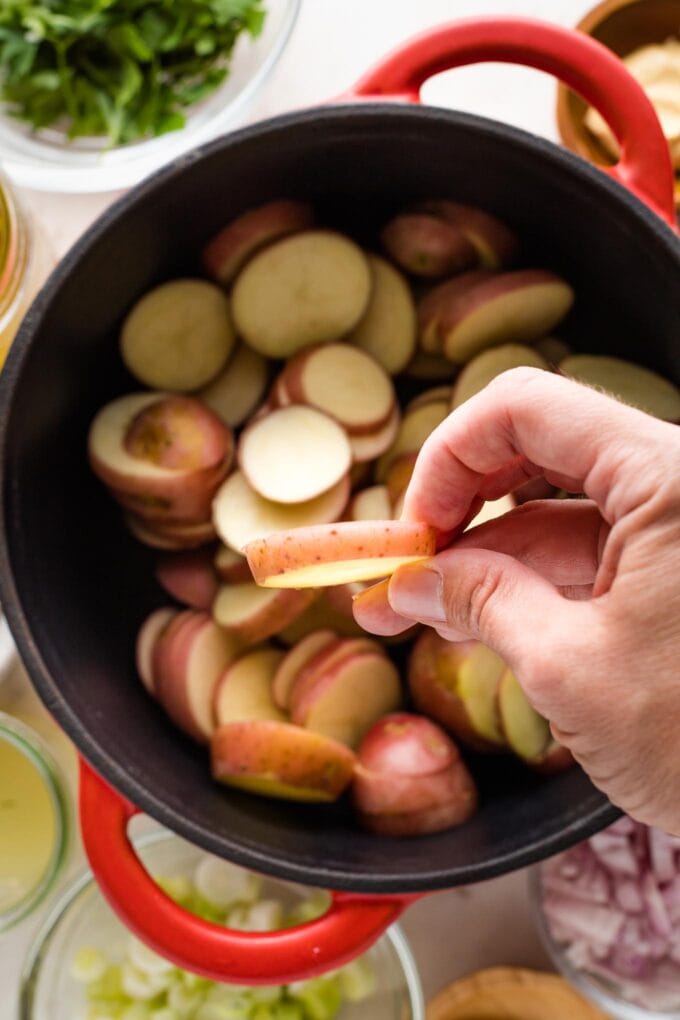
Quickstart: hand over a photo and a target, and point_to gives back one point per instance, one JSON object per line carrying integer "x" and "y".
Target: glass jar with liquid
{"x": 25, "y": 261}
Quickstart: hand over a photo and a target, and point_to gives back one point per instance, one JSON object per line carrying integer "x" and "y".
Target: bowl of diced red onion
{"x": 608, "y": 911}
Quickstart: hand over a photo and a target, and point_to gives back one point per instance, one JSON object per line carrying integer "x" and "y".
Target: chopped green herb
{"x": 122, "y": 69}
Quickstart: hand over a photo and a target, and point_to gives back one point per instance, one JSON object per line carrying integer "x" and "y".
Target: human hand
{"x": 581, "y": 598}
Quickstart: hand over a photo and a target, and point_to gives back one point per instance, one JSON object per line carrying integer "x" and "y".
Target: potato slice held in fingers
{"x": 241, "y": 515}
{"x": 333, "y": 554}
{"x": 485, "y": 366}
{"x": 628, "y": 381}
{"x": 294, "y": 454}
{"x": 278, "y": 759}
{"x": 306, "y": 289}
{"x": 244, "y": 691}
{"x": 252, "y": 613}
{"x": 387, "y": 329}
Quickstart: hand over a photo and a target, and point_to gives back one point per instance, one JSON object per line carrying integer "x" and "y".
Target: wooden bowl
{"x": 621, "y": 26}
{"x": 511, "y": 993}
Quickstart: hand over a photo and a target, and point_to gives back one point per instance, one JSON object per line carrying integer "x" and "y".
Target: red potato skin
{"x": 294, "y": 661}
{"x": 315, "y": 678}
{"x": 289, "y": 549}
{"x": 170, "y": 660}
{"x": 170, "y": 539}
{"x": 189, "y": 577}
{"x": 368, "y": 447}
{"x": 495, "y": 244}
{"x": 406, "y": 744}
{"x": 179, "y": 433}
{"x": 420, "y": 823}
{"x": 427, "y": 246}
{"x": 433, "y": 307}
{"x": 432, "y": 662}
{"x": 293, "y": 755}
{"x": 237, "y": 572}
{"x": 273, "y": 617}
{"x": 229, "y": 250}
{"x": 149, "y": 633}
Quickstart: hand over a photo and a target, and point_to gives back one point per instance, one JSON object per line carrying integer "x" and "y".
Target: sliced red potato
{"x": 456, "y": 684}
{"x": 244, "y": 691}
{"x": 387, "y": 329}
{"x": 398, "y": 477}
{"x": 430, "y": 367}
{"x": 170, "y": 539}
{"x": 526, "y": 732}
{"x": 373, "y": 444}
{"x": 277, "y": 759}
{"x": 337, "y": 553}
{"x": 235, "y": 393}
{"x": 553, "y": 350}
{"x": 485, "y": 366}
{"x": 294, "y": 454}
{"x": 252, "y": 613}
{"x": 523, "y": 305}
{"x": 410, "y": 779}
{"x": 416, "y": 426}
{"x": 492, "y": 509}
{"x": 341, "y": 596}
{"x": 344, "y": 701}
{"x": 371, "y": 504}
{"x": 427, "y": 246}
{"x": 434, "y": 305}
{"x": 306, "y": 289}
{"x": 190, "y": 577}
{"x": 495, "y": 244}
{"x": 345, "y": 383}
{"x": 161, "y": 456}
{"x": 148, "y": 634}
{"x": 231, "y": 566}
{"x": 188, "y": 659}
{"x": 178, "y": 336}
{"x": 631, "y": 383}
{"x": 321, "y": 615}
{"x": 241, "y": 515}
{"x": 435, "y": 395}
{"x": 327, "y": 658}
{"x": 295, "y": 660}
{"x": 226, "y": 254}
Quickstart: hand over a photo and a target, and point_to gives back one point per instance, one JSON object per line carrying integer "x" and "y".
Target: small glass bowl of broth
{"x": 34, "y": 821}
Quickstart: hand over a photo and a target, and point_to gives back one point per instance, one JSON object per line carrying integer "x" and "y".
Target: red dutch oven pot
{"x": 75, "y": 586}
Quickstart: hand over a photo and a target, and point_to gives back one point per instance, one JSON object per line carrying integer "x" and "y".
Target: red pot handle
{"x": 351, "y": 925}
{"x": 584, "y": 65}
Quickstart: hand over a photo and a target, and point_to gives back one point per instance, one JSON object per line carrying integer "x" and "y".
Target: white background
{"x": 334, "y": 43}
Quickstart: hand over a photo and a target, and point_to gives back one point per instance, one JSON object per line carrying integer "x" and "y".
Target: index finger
{"x": 613, "y": 452}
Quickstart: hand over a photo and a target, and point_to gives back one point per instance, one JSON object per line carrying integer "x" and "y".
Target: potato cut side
{"x": 155, "y": 537}
{"x": 371, "y": 504}
{"x": 522, "y": 305}
{"x": 178, "y": 336}
{"x": 337, "y": 553}
{"x": 435, "y": 395}
{"x": 387, "y": 329}
{"x": 492, "y": 509}
{"x": 631, "y": 383}
{"x": 148, "y": 634}
{"x": 294, "y": 454}
{"x": 416, "y": 426}
{"x": 479, "y": 675}
{"x": 241, "y": 515}
{"x": 244, "y": 610}
{"x": 526, "y": 732}
{"x": 435, "y": 305}
{"x": 322, "y": 614}
{"x": 229, "y": 250}
{"x": 430, "y": 367}
{"x": 106, "y": 438}
{"x": 245, "y": 689}
{"x": 189, "y": 577}
{"x": 306, "y": 289}
{"x": 277, "y": 759}
{"x": 235, "y": 393}
{"x": 485, "y": 366}
{"x": 295, "y": 660}
{"x": 495, "y": 243}
{"x": 367, "y": 447}
{"x": 343, "y": 382}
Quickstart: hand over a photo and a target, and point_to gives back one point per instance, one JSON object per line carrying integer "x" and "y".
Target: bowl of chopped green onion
{"x": 97, "y": 94}
{"x": 85, "y": 965}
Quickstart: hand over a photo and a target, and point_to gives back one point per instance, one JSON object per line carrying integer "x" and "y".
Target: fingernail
{"x": 418, "y": 593}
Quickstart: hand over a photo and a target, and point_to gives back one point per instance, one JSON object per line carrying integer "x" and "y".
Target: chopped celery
{"x": 136, "y": 1011}
{"x": 145, "y": 959}
{"x": 222, "y": 883}
{"x": 178, "y": 888}
{"x": 89, "y": 964}
{"x": 311, "y": 907}
{"x": 265, "y": 915}
{"x": 164, "y": 1013}
{"x": 96, "y": 1011}
{"x": 238, "y": 918}
{"x": 108, "y": 987}
{"x": 319, "y": 997}
{"x": 184, "y": 1002}
{"x": 357, "y": 979}
{"x": 139, "y": 984}
{"x": 286, "y": 1009}
{"x": 236, "y": 1009}
{"x": 195, "y": 982}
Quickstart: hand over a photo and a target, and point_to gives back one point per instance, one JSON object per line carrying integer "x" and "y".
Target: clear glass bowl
{"x": 608, "y": 995}
{"x": 81, "y": 917}
{"x": 48, "y": 163}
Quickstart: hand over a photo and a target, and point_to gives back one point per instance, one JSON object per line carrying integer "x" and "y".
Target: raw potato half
{"x": 239, "y": 387}
{"x": 229, "y": 250}
{"x": 178, "y": 336}
{"x": 253, "y": 613}
{"x": 345, "y": 383}
{"x": 244, "y": 690}
{"x": 387, "y": 329}
{"x": 241, "y": 515}
{"x": 479, "y": 372}
{"x": 294, "y": 454}
{"x": 337, "y": 553}
{"x": 631, "y": 383}
{"x": 306, "y": 289}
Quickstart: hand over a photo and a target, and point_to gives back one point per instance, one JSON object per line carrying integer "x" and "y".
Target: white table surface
{"x": 454, "y": 932}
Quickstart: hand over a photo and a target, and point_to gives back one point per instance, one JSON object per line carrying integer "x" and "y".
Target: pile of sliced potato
{"x": 294, "y": 390}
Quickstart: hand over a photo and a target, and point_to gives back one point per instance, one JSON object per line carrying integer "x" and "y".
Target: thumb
{"x": 477, "y": 593}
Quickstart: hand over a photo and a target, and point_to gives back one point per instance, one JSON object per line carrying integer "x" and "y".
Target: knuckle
{"x": 517, "y": 379}
{"x": 475, "y": 611}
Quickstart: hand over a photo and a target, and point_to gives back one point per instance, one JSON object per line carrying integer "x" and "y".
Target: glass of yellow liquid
{"x": 34, "y": 821}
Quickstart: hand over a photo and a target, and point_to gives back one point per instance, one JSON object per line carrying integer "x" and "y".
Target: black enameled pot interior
{"x": 76, "y": 587}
